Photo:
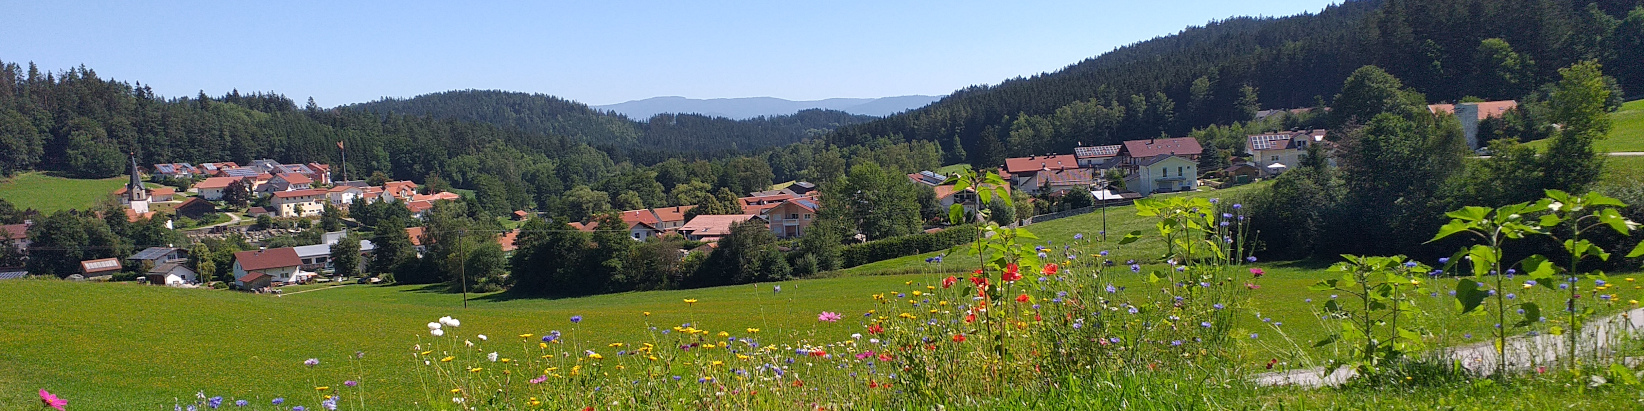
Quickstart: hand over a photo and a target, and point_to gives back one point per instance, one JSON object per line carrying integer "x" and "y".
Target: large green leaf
{"x": 1614, "y": 219}
{"x": 1638, "y": 251}
{"x": 1469, "y": 294}
{"x": 1470, "y": 213}
{"x": 1532, "y": 314}
{"x": 956, "y": 213}
{"x": 1451, "y": 228}
{"x": 1131, "y": 237}
{"x": 1484, "y": 258}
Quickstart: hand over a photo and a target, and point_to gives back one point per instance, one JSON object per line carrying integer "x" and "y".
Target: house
{"x": 416, "y": 235}
{"x": 419, "y": 209}
{"x": 641, "y": 231}
{"x": 757, "y": 205}
{"x": 194, "y": 208}
{"x": 402, "y": 190}
{"x": 255, "y": 212}
{"x": 176, "y": 170}
{"x": 1053, "y": 181}
{"x": 521, "y": 215}
{"x": 1287, "y": 148}
{"x": 289, "y": 182}
{"x": 1242, "y": 172}
{"x": 211, "y": 169}
{"x": 240, "y": 172}
{"x": 99, "y": 267}
{"x": 947, "y": 197}
{"x": 1135, "y": 151}
{"x": 1021, "y": 169}
{"x": 212, "y": 188}
{"x": 791, "y": 218}
{"x": 299, "y": 203}
{"x": 134, "y": 216}
{"x": 313, "y": 257}
{"x": 1097, "y": 156}
{"x": 281, "y": 264}
{"x": 344, "y": 196}
{"x": 1163, "y": 173}
{"x": 172, "y": 274}
{"x": 17, "y": 234}
{"x": 671, "y": 218}
{"x": 154, "y": 256}
{"x": 1470, "y": 114}
{"x": 256, "y": 280}
{"x": 712, "y": 227}
{"x": 162, "y": 194}
{"x": 507, "y": 239}
{"x": 928, "y": 178}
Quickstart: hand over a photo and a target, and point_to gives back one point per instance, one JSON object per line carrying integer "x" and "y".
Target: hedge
{"x": 894, "y": 247}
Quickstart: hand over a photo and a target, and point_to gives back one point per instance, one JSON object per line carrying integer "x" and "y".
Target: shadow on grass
{"x": 1313, "y": 263}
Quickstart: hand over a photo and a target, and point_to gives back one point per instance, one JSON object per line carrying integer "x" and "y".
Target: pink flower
{"x": 1257, "y": 272}
{"x": 539, "y": 379}
{"x": 828, "y": 316}
{"x": 864, "y": 355}
{"x": 52, "y": 401}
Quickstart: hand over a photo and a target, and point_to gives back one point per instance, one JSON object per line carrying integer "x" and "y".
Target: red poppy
{"x": 819, "y": 353}
{"x": 1022, "y": 298}
{"x": 1050, "y": 269}
{"x": 970, "y": 318}
{"x": 978, "y": 272}
{"x": 875, "y": 329}
{"x": 979, "y": 281}
{"x": 872, "y": 384}
{"x": 884, "y": 357}
{"x": 798, "y": 383}
{"x": 958, "y": 338}
{"x": 1011, "y": 273}
{"x": 948, "y": 282}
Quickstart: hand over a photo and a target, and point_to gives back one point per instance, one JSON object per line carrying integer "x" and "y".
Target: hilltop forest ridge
{"x": 751, "y": 107}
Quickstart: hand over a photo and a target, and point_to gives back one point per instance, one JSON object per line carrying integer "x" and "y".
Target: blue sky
{"x": 596, "y": 52}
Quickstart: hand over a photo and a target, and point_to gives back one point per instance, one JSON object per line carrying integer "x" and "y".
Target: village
{"x": 267, "y": 199}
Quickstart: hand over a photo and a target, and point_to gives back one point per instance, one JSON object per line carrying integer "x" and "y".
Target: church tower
{"x": 136, "y": 194}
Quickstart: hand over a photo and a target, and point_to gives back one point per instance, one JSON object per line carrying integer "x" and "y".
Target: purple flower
{"x": 1114, "y": 340}
{"x": 1111, "y": 289}
{"x": 351, "y": 383}
{"x": 1410, "y": 264}
{"x": 1217, "y": 306}
{"x": 1445, "y": 260}
{"x": 279, "y": 400}
{"x": 1238, "y": 206}
{"x": 299, "y": 408}
{"x": 1176, "y": 343}
{"x": 241, "y": 403}
{"x": 576, "y": 319}
{"x": 214, "y": 402}
{"x": 1599, "y": 283}
{"x": 1250, "y": 259}
{"x": 1511, "y": 296}
{"x": 1205, "y": 324}
{"x": 311, "y": 362}
{"x": 1078, "y": 236}
{"x": 1135, "y": 268}
{"x": 1253, "y": 336}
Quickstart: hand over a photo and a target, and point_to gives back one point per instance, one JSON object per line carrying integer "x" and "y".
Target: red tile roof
{"x": 1181, "y": 146}
{"x": 670, "y": 214}
{"x": 251, "y": 277}
{"x": 1032, "y": 164}
{"x": 15, "y": 231}
{"x": 415, "y": 233}
{"x": 1485, "y": 109}
{"x": 266, "y": 259}
{"x": 162, "y": 191}
{"x": 419, "y": 206}
{"x": 639, "y": 216}
{"x": 506, "y": 240}
{"x": 295, "y": 178}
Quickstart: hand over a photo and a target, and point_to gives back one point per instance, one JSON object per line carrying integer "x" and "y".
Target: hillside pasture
{"x": 49, "y": 193}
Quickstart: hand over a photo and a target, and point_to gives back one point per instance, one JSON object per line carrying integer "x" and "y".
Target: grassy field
{"x": 1627, "y": 133}
{"x": 50, "y": 193}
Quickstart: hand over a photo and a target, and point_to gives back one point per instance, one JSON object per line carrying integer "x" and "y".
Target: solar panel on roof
{"x": 151, "y": 253}
{"x": 101, "y": 264}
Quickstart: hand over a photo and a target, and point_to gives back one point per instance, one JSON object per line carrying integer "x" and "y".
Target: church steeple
{"x": 134, "y": 189}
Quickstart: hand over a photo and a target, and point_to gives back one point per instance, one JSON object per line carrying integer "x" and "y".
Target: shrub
{"x": 893, "y": 247}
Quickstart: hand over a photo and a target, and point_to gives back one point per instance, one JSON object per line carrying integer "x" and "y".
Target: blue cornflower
{"x": 1133, "y": 310}
{"x": 1217, "y": 306}
{"x": 1205, "y": 324}
{"x": 1176, "y": 343}
{"x": 1114, "y": 340}
{"x": 576, "y": 319}
{"x": 1467, "y": 336}
{"x": 1563, "y": 286}
{"x": 1530, "y": 283}
{"x": 214, "y": 402}
{"x": 1511, "y": 296}
{"x": 776, "y": 289}
{"x": 279, "y": 400}
{"x": 1135, "y": 268}
{"x": 1238, "y": 206}
{"x": 299, "y": 408}
{"x": 1445, "y": 260}
{"x": 1410, "y": 264}
{"x": 1253, "y": 336}
{"x": 1078, "y": 236}
{"x": 1103, "y": 253}
{"x": 1599, "y": 283}
{"x": 1250, "y": 259}
{"x": 1111, "y": 289}
{"x": 241, "y": 403}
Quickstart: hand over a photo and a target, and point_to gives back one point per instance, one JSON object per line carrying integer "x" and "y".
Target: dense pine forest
{"x": 647, "y": 140}
{"x": 1449, "y": 50}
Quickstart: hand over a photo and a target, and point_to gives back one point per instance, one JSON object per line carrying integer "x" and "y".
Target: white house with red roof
{"x": 791, "y": 218}
{"x": 212, "y": 188}
{"x": 299, "y": 203}
{"x": 713, "y": 227}
{"x": 1470, "y": 114}
{"x": 280, "y": 264}
{"x": 1287, "y": 149}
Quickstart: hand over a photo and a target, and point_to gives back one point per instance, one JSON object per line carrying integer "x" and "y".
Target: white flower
{"x": 482, "y": 337}
{"x": 469, "y": 343}
{"x": 455, "y": 323}
{"x": 436, "y": 332}
{"x": 1555, "y": 206}
{"x": 450, "y": 322}
{"x": 492, "y": 356}
{"x": 433, "y": 326}
{"x": 856, "y": 336}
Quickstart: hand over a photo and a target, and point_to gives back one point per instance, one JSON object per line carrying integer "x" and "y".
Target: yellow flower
{"x": 753, "y": 330}
{"x": 542, "y": 345}
{"x": 690, "y": 301}
{"x": 647, "y": 313}
{"x": 1527, "y": 286}
{"x": 550, "y": 370}
{"x": 456, "y": 390}
{"x": 930, "y": 287}
{"x": 321, "y": 388}
{"x": 1633, "y": 302}
{"x": 475, "y": 369}
{"x": 596, "y": 356}
{"x": 447, "y": 359}
{"x": 526, "y": 335}
{"x": 943, "y": 303}
{"x": 1415, "y": 282}
{"x": 741, "y": 357}
{"x": 506, "y": 360}
{"x": 651, "y": 357}
{"x": 1629, "y": 279}
{"x": 615, "y": 344}
{"x": 908, "y": 283}
{"x": 917, "y": 293}
{"x": 427, "y": 352}
{"x": 724, "y": 334}
{"x": 718, "y": 363}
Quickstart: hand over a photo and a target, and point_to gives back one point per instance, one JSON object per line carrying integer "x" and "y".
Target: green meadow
{"x": 49, "y": 193}
{"x": 1626, "y": 132}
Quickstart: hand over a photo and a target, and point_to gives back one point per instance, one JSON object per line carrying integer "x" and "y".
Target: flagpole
{"x": 344, "y": 161}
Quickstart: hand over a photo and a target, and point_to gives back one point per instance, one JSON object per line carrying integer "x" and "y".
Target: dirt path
{"x": 1524, "y": 352}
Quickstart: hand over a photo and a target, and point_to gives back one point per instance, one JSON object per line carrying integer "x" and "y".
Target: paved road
{"x": 1523, "y": 352}
{"x": 1628, "y": 153}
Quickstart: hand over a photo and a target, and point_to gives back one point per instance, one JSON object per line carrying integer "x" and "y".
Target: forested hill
{"x": 1225, "y": 71}
{"x": 545, "y": 114}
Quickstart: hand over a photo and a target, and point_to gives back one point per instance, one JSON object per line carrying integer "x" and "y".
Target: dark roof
{"x": 1097, "y": 151}
{"x": 151, "y": 253}
{"x": 256, "y": 211}
{"x": 265, "y": 259}
{"x": 1182, "y": 146}
{"x": 240, "y": 172}
{"x": 12, "y": 273}
{"x": 252, "y": 277}
{"x": 167, "y": 267}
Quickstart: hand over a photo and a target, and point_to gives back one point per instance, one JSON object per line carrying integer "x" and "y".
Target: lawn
{"x": 49, "y": 193}
{"x": 1626, "y": 134}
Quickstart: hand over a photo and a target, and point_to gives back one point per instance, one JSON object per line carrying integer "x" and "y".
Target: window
{"x": 1179, "y": 172}
{"x": 807, "y": 216}
{"x": 1275, "y": 159}
{"x": 792, "y": 216}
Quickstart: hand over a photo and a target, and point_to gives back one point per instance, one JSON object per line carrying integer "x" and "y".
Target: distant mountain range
{"x": 750, "y": 107}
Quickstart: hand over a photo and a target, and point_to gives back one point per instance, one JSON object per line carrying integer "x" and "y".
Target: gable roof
{"x": 1097, "y": 151}
{"x": 1183, "y": 146}
{"x": 506, "y": 240}
{"x": 253, "y": 211}
{"x": 419, "y": 206}
{"x": 162, "y": 191}
{"x": 167, "y": 267}
{"x": 15, "y": 231}
{"x": 415, "y": 233}
{"x": 1030, "y": 164}
{"x": 266, "y": 259}
{"x": 714, "y": 225}
{"x": 215, "y": 182}
{"x": 676, "y": 213}
{"x": 1069, "y": 177}
{"x": 252, "y": 277}
{"x": 1160, "y": 159}
{"x": 639, "y": 216}
{"x": 151, "y": 253}
{"x": 1486, "y": 109}
{"x": 100, "y": 265}
{"x": 1282, "y": 140}
{"x": 295, "y": 178}
{"x": 193, "y": 203}
{"x": 804, "y": 203}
